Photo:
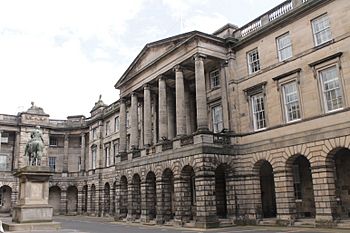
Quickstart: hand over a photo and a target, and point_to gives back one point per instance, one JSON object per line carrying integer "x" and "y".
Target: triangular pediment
{"x": 154, "y": 51}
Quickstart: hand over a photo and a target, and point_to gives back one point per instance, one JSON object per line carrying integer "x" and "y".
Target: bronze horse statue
{"x": 34, "y": 148}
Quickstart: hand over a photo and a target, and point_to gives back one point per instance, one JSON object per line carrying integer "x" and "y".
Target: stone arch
{"x": 265, "y": 189}
{"x": 299, "y": 176}
{"x": 72, "y": 200}
{"x": 151, "y": 196}
{"x": 106, "y": 198}
{"x": 5, "y": 199}
{"x": 55, "y": 199}
{"x": 123, "y": 200}
{"x": 135, "y": 196}
{"x": 187, "y": 190}
{"x": 338, "y": 160}
{"x": 168, "y": 200}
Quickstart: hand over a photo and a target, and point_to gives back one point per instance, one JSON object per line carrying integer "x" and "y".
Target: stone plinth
{"x": 33, "y": 209}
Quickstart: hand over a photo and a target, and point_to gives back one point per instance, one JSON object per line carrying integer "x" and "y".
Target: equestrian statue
{"x": 34, "y": 148}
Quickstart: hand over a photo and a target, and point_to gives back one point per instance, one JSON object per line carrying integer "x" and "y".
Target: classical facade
{"x": 242, "y": 125}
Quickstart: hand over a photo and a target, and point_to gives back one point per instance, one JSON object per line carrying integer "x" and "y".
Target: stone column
{"x": 122, "y": 128}
{"x": 201, "y": 94}
{"x": 134, "y": 137}
{"x": 65, "y": 153}
{"x": 131, "y": 210}
{"x": 80, "y": 202}
{"x": 324, "y": 192}
{"x": 224, "y": 97}
{"x": 154, "y": 119}
{"x": 171, "y": 114}
{"x": 205, "y": 199}
{"x": 82, "y": 152}
{"x": 180, "y": 102}
{"x": 163, "y": 115}
{"x": 144, "y": 210}
{"x": 160, "y": 201}
{"x": 117, "y": 215}
{"x": 147, "y": 115}
{"x": 285, "y": 201}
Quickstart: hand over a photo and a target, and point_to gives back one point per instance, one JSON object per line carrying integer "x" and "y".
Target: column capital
{"x": 223, "y": 63}
{"x": 147, "y": 86}
{"x": 134, "y": 94}
{"x": 178, "y": 68}
{"x": 122, "y": 100}
{"x": 161, "y": 77}
{"x": 199, "y": 57}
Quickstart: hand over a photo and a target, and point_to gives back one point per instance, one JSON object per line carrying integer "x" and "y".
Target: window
{"x": 258, "y": 110}
{"x": 94, "y": 134}
{"x": 107, "y": 127}
{"x": 52, "y": 163}
{"x": 127, "y": 119}
{"x": 291, "y": 101}
{"x": 331, "y": 88}
{"x": 321, "y": 30}
{"x": 217, "y": 119}
{"x": 79, "y": 163}
{"x": 284, "y": 47}
{"x": 107, "y": 156}
{"x": 214, "y": 78}
{"x": 3, "y": 162}
{"x": 53, "y": 141}
{"x": 253, "y": 61}
{"x": 4, "y": 137}
{"x": 115, "y": 149}
{"x": 116, "y": 124}
{"x": 93, "y": 159}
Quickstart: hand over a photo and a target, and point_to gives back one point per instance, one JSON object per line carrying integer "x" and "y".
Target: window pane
{"x": 321, "y": 30}
{"x": 332, "y": 93}
{"x": 284, "y": 46}
{"x": 217, "y": 119}
{"x": 259, "y": 119}
{"x": 253, "y": 61}
{"x": 291, "y": 101}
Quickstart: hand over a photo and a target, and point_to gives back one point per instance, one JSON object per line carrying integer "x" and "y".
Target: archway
{"x": 168, "y": 194}
{"x": 303, "y": 187}
{"x": 267, "y": 187}
{"x": 151, "y": 195}
{"x": 93, "y": 199}
{"x": 188, "y": 193}
{"x": 107, "y": 200}
{"x": 72, "y": 200}
{"x": 220, "y": 191}
{"x": 123, "y": 197}
{"x": 136, "y": 196}
{"x": 55, "y": 199}
{"x": 342, "y": 182}
{"x": 5, "y": 199}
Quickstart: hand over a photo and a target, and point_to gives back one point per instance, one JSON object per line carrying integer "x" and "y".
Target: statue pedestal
{"x": 33, "y": 210}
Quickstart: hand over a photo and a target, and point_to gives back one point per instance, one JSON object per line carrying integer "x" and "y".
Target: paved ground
{"x": 81, "y": 224}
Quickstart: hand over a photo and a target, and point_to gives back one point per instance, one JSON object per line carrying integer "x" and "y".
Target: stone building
{"x": 242, "y": 125}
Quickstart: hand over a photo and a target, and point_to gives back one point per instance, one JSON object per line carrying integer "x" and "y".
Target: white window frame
{"x": 214, "y": 77}
{"x": 218, "y": 124}
{"x": 79, "y": 163}
{"x": 326, "y": 30}
{"x": 107, "y": 156}
{"x": 52, "y": 163}
{"x": 323, "y": 91}
{"x": 116, "y": 124}
{"x": 253, "y": 64}
{"x": 107, "y": 127}
{"x": 287, "y": 104}
{"x": 94, "y": 133}
{"x": 3, "y": 162}
{"x": 255, "y": 114}
{"x": 93, "y": 157}
{"x": 53, "y": 139}
{"x": 282, "y": 48}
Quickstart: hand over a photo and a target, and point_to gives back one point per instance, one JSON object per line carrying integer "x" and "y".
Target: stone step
{"x": 191, "y": 224}
{"x": 344, "y": 224}
{"x": 268, "y": 222}
{"x": 226, "y": 222}
{"x": 305, "y": 223}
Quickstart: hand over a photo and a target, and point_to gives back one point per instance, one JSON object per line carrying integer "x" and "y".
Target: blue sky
{"x": 62, "y": 54}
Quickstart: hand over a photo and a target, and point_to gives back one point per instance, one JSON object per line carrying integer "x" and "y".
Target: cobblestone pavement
{"x": 82, "y": 224}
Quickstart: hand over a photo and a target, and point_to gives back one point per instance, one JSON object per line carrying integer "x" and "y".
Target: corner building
{"x": 243, "y": 125}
